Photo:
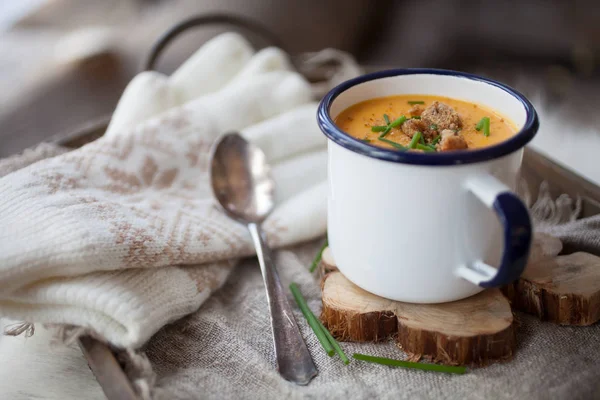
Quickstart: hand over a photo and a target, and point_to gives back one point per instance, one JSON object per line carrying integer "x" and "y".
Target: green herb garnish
{"x": 415, "y": 140}
{"x": 311, "y": 319}
{"x": 390, "y": 125}
{"x": 480, "y": 124}
{"x": 334, "y": 343}
{"x": 385, "y": 132}
{"x": 486, "y": 126}
{"x": 398, "y": 121}
{"x": 422, "y": 140}
{"x": 396, "y": 145}
{"x": 330, "y": 345}
{"x": 425, "y": 147}
{"x": 416, "y": 117}
{"x": 436, "y": 140}
{"x": 408, "y": 364}
{"x": 378, "y": 128}
{"x": 433, "y": 127}
{"x": 413, "y": 102}
{"x": 317, "y": 258}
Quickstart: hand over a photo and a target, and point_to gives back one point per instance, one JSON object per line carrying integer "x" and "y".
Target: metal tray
{"x": 536, "y": 169}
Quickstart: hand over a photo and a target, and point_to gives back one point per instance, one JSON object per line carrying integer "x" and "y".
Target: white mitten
{"x": 122, "y": 235}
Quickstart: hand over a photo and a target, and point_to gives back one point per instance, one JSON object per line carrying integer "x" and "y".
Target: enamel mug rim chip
{"x": 489, "y": 225}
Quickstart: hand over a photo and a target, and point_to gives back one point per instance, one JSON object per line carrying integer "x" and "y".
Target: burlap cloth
{"x": 224, "y": 351}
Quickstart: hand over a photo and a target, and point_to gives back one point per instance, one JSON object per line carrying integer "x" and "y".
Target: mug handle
{"x": 516, "y": 223}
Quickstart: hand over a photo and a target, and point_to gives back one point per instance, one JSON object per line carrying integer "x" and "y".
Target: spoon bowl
{"x": 241, "y": 179}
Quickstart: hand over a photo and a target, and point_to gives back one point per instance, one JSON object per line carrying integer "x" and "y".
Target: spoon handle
{"x": 293, "y": 359}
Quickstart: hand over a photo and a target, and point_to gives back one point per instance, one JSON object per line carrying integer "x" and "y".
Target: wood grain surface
{"x": 564, "y": 289}
{"x": 474, "y": 331}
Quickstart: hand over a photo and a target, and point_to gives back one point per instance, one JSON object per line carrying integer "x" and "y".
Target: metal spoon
{"x": 242, "y": 183}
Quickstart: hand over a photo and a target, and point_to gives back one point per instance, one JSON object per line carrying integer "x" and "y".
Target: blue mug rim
{"x": 519, "y": 140}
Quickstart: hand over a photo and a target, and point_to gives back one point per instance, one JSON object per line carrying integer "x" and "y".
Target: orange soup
{"x": 425, "y": 123}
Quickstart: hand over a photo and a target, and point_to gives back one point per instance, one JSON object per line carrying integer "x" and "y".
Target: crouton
{"x": 442, "y": 115}
{"x": 452, "y": 141}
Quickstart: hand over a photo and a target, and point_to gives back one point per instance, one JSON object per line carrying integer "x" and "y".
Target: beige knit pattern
{"x": 122, "y": 236}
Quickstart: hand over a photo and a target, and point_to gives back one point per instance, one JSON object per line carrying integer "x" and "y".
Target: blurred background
{"x": 64, "y": 63}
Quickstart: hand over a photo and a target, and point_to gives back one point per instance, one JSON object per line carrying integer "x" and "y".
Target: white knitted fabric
{"x": 122, "y": 236}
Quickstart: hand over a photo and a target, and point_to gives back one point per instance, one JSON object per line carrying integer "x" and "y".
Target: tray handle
{"x": 202, "y": 20}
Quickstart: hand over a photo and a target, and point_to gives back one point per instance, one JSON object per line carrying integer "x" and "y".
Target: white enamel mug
{"x": 427, "y": 228}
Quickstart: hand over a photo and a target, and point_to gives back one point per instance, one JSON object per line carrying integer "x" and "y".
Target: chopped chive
{"x": 396, "y": 145}
{"x": 334, "y": 343}
{"x": 398, "y": 121}
{"x": 378, "y": 128}
{"x": 415, "y": 140}
{"x": 416, "y": 117}
{"x": 486, "y": 126}
{"x": 433, "y": 127}
{"x": 413, "y": 102}
{"x": 479, "y": 124}
{"x": 385, "y": 132}
{"x": 386, "y": 118}
{"x": 311, "y": 319}
{"x": 436, "y": 140}
{"x": 408, "y": 364}
{"x": 317, "y": 258}
{"x": 422, "y": 140}
{"x": 425, "y": 147}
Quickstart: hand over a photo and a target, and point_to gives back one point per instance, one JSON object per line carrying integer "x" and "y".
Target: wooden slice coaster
{"x": 563, "y": 289}
{"x": 476, "y": 331}
{"x": 560, "y": 289}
